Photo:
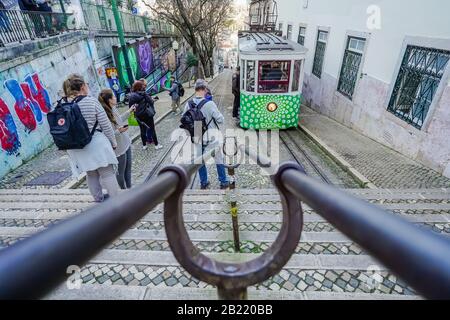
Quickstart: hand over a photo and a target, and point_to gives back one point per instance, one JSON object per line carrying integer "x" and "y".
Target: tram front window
{"x": 274, "y": 76}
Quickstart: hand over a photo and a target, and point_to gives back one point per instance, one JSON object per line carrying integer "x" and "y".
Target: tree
{"x": 199, "y": 23}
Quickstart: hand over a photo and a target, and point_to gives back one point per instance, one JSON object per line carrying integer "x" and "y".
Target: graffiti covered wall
{"x": 28, "y": 92}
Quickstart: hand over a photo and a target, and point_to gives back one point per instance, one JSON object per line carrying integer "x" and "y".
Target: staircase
{"x": 140, "y": 265}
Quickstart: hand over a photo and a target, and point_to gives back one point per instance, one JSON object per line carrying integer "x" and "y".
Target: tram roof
{"x": 267, "y": 43}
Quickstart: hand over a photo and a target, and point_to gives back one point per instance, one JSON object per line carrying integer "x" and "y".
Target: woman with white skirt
{"x": 97, "y": 159}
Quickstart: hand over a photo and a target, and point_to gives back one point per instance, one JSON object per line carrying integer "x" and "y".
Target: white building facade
{"x": 380, "y": 67}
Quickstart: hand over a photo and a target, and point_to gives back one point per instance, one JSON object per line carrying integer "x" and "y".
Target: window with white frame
{"x": 351, "y": 65}
{"x": 319, "y": 56}
{"x": 289, "y": 32}
{"x": 301, "y": 35}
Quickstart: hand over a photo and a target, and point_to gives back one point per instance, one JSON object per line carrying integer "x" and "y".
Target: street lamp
{"x": 175, "y": 47}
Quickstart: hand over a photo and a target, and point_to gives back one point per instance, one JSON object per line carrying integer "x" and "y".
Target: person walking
{"x": 97, "y": 159}
{"x": 123, "y": 151}
{"x": 213, "y": 118}
{"x": 145, "y": 112}
{"x": 175, "y": 95}
{"x": 236, "y": 89}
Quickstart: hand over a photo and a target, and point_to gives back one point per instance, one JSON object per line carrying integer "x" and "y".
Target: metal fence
{"x": 17, "y": 25}
{"x": 101, "y": 18}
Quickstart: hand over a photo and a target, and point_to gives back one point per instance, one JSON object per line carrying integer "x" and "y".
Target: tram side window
{"x": 297, "y": 72}
{"x": 242, "y": 73}
{"x": 274, "y": 76}
{"x": 250, "y": 76}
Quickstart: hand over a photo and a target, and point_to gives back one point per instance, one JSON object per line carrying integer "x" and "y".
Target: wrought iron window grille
{"x": 350, "y": 66}
{"x": 320, "y": 53}
{"x": 419, "y": 77}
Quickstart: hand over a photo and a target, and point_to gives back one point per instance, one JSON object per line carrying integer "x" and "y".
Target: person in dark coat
{"x": 236, "y": 88}
{"x": 140, "y": 98}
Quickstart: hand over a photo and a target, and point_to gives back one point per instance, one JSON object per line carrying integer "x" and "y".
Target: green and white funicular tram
{"x": 271, "y": 81}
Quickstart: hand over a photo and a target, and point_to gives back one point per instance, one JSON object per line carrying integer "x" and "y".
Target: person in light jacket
{"x": 213, "y": 118}
{"x": 97, "y": 159}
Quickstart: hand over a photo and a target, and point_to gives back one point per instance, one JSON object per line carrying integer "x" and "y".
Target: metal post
{"x": 61, "y": 3}
{"x": 122, "y": 41}
{"x": 234, "y": 210}
{"x": 232, "y": 191}
{"x": 232, "y": 294}
{"x": 176, "y": 65}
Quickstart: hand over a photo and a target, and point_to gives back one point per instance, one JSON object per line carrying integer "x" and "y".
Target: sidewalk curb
{"x": 76, "y": 183}
{"x": 362, "y": 180}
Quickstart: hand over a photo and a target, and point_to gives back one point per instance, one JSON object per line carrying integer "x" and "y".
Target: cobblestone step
{"x": 121, "y": 292}
{"x": 255, "y": 236}
{"x": 288, "y": 280}
{"x": 217, "y": 195}
{"x": 439, "y": 227}
{"x": 221, "y": 207}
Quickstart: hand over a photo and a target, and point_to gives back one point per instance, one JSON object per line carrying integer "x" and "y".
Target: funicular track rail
{"x": 285, "y": 137}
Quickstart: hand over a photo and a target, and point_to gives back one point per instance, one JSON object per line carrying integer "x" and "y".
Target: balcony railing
{"x": 17, "y": 25}
{"x": 101, "y": 18}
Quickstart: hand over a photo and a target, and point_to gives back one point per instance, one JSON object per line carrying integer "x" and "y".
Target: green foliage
{"x": 191, "y": 59}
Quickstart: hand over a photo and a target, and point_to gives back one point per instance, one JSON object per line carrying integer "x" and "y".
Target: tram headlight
{"x": 272, "y": 107}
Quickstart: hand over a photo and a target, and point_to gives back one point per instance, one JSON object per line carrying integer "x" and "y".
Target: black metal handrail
{"x": 18, "y": 25}
{"x": 419, "y": 256}
{"x": 34, "y": 266}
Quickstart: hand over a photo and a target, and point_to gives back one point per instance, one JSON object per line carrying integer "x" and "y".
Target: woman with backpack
{"x": 123, "y": 151}
{"x": 144, "y": 113}
{"x": 97, "y": 158}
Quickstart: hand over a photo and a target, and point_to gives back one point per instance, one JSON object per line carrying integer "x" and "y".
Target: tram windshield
{"x": 274, "y": 76}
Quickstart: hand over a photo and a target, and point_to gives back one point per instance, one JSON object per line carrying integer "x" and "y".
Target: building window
{"x": 289, "y": 32}
{"x": 350, "y": 66}
{"x": 301, "y": 36}
{"x": 280, "y": 28}
{"x": 319, "y": 56}
{"x": 418, "y": 79}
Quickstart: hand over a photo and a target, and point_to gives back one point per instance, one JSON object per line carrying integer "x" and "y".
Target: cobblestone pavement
{"x": 286, "y": 280}
{"x": 384, "y": 167}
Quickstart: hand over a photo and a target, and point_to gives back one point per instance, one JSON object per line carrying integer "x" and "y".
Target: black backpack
{"x": 192, "y": 115}
{"x": 145, "y": 109}
{"x": 68, "y": 127}
{"x": 180, "y": 90}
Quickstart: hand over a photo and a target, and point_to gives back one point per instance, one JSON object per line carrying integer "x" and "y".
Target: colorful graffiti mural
{"x": 145, "y": 57}
{"x": 9, "y": 137}
{"x": 32, "y": 101}
{"x": 140, "y": 54}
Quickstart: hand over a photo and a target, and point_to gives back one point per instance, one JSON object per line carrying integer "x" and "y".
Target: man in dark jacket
{"x": 236, "y": 87}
